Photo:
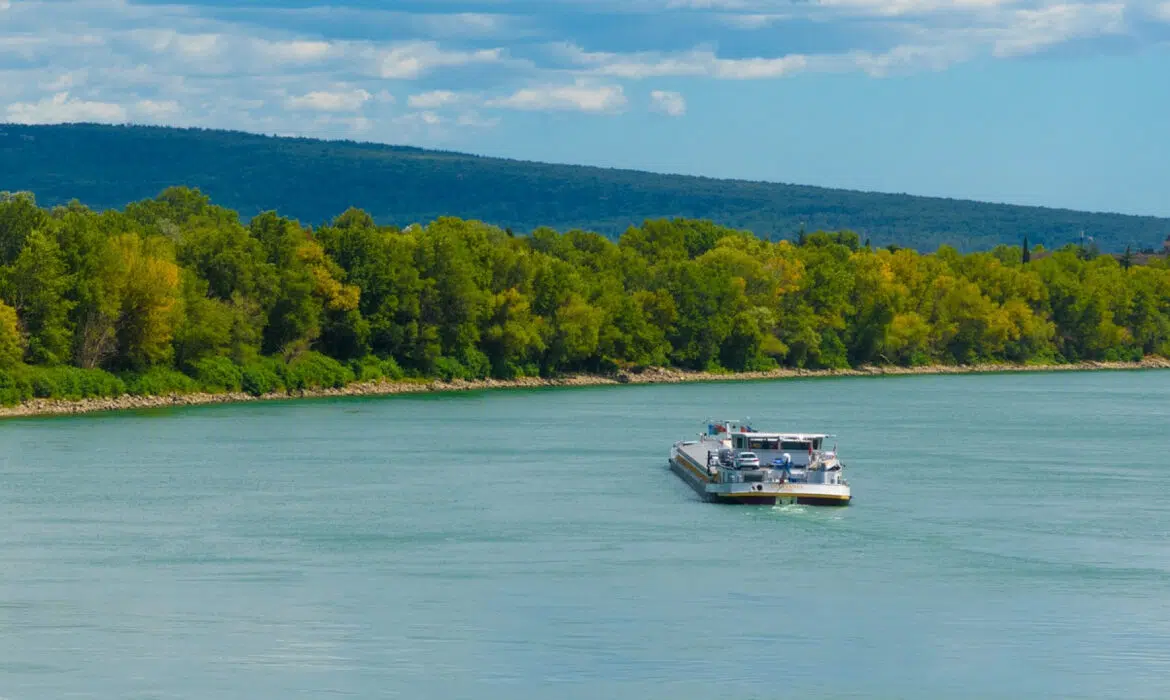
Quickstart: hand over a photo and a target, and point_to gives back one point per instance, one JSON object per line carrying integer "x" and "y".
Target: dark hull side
{"x": 771, "y": 501}
{"x": 691, "y": 478}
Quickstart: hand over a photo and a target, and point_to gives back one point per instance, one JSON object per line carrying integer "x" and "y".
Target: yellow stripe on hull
{"x": 692, "y": 468}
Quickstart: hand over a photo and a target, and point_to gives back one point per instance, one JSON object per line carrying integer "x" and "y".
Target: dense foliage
{"x": 111, "y": 166}
{"x": 175, "y": 294}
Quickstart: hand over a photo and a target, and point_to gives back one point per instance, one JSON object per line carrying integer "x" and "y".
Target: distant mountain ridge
{"x": 107, "y": 166}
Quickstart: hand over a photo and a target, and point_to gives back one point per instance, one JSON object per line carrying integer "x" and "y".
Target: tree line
{"x": 176, "y": 294}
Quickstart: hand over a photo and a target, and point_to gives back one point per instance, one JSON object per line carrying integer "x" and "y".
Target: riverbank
{"x": 43, "y": 407}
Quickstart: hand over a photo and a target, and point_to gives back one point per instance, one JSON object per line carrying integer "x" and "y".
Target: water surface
{"x": 1008, "y": 538}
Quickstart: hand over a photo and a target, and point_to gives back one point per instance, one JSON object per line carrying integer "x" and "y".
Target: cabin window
{"x": 739, "y": 442}
{"x": 793, "y": 445}
{"x": 817, "y": 444}
{"x": 764, "y": 443}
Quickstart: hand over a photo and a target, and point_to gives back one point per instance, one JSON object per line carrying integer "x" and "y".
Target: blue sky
{"x": 1024, "y": 101}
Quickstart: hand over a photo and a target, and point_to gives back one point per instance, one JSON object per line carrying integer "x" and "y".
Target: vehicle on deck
{"x": 734, "y": 463}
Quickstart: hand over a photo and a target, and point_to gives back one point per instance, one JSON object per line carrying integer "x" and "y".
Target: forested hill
{"x": 312, "y": 180}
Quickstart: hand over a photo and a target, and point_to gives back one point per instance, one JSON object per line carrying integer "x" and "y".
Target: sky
{"x": 1063, "y": 104}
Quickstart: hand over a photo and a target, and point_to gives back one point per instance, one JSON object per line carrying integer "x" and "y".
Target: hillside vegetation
{"x": 310, "y": 180}
{"x": 175, "y": 294}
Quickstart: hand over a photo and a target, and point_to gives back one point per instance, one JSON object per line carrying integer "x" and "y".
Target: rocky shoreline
{"x": 653, "y": 375}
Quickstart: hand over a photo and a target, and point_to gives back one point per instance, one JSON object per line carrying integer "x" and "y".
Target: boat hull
{"x": 770, "y": 494}
{"x": 782, "y": 499}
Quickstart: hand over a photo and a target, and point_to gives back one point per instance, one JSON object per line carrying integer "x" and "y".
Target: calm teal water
{"x": 1009, "y": 538}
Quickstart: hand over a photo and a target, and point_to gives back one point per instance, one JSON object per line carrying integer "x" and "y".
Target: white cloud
{"x": 185, "y": 46}
{"x": 694, "y": 63}
{"x": 199, "y": 46}
{"x": 327, "y": 101}
{"x": 462, "y": 24}
{"x": 754, "y": 68}
{"x": 62, "y": 108}
{"x": 433, "y": 100}
{"x": 900, "y": 59}
{"x": 26, "y": 47}
{"x": 156, "y": 110}
{"x": 474, "y": 120}
{"x": 294, "y": 51}
{"x": 925, "y": 34}
{"x": 711, "y": 5}
{"x": 109, "y": 60}
{"x": 1055, "y": 24}
{"x": 351, "y": 124}
{"x": 412, "y": 60}
{"x": 65, "y": 81}
{"x": 228, "y": 52}
{"x": 889, "y": 8}
{"x": 578, "y": 97}
{"x": 892, "y": 8}
{"x": 425, "y": 119}
{"x": 669, "y": 103}
{"x": 751, "y": 21}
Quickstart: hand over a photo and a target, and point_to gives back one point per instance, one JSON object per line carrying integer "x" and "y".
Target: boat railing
{"x": 734, "y": 476}
{"x": 826, "y": 476}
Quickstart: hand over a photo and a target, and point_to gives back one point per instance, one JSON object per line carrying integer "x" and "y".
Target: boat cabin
{"x": 769, "y": 447}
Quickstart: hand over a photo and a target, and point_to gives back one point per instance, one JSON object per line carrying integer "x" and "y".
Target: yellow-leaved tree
{"x": 138, "y": 305}
{"x": 11, "y": 339}
{"x": 151, "y": 305}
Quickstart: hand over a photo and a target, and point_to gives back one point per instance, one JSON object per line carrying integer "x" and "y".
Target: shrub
{"x": 15, "y": 385}
{"x": 160, "y": 381}
{"x": 98, "y": 383}
{"x": 448, "y": 368}
{"x": 218, "y": 374}
{"x": 476, "y": 364}
{"x": 391, "y": 370}
{"x": 262, "y": 376}
{"x": 371, "y": 368}
{"x": 66, "y": 382}
{"x": 313, "y": 370}
{"x": 367, "y": 369}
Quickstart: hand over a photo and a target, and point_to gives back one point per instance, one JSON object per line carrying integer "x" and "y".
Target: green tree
{"x": 150, "y": 309}
{"x": 35, "y": 286}
{"x": 11, "y": 339}
{"x": 176, "y": 282}
{"x": 19, "y": 217}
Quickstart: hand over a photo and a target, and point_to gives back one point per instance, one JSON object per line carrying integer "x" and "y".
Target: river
{"x": 1008, "y": 538}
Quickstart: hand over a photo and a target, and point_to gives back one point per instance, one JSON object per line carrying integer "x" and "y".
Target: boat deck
{"x": 689, "y": 461}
